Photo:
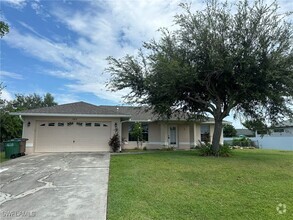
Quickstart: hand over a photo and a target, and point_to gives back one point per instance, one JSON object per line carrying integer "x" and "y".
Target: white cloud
{"x": 65, "y": 98}
{"x": 6, "y": 95}
{"x": 105, "y": 28}
{"x": 6, "y": 74}
{"x": 15, "y": 3}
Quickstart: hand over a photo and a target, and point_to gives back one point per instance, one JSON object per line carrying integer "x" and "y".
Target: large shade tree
{"x": 224, "y": 58}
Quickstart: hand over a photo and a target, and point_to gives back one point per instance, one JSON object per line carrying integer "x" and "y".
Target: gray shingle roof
{"x": 137, "y": 113}
{"x": 83, "y": 108}
{"x": 245, "y": 132}
{"x": 77, "y": 108}
{"x": 143, "y": 114}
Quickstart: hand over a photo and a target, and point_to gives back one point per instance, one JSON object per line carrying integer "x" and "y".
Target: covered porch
{"x": 177, "y": 134}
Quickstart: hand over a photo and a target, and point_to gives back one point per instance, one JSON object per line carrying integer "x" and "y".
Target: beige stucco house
{"x": 80, "y": 126}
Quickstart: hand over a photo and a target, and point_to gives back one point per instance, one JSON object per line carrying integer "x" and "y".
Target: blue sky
{"x": 60, "y": 46}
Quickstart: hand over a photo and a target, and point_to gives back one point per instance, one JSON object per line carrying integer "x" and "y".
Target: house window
{"x": 43, "y": 124}
{"x": 79, "y": 123}
{"x": 145, "y": 132}
{"x": 69, "y": 124}
{"x": 88, "y": 124}
{"x": 205, "y": 133}
{"x": 60, "y": 124}
{"x": 97, "y": 124}
{"x": 105, "y": 125}
{"x": 51, "y": 124}
{"x": 279, "y": 130}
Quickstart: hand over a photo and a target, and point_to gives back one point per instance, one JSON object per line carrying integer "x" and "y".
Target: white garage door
{"x": 62, "y": 136}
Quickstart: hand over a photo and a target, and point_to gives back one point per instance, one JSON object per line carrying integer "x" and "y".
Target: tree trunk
{"x": 217, "y": 136}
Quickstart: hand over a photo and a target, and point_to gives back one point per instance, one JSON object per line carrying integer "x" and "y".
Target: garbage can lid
{"x": 12, "y": 140}
{"x": 19, "y": 139}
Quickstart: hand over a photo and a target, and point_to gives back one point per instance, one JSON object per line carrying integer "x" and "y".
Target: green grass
{"x": 2, "y": 157}
{"x": 182, "y": 185}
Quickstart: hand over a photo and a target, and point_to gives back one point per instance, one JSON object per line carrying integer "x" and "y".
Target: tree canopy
{"x": 11, "y": 126}
{"x": 226, "y": 57}
{"x": 136, "y": 132}
{"x": 4, "y": 28}
{"x": 229, "y": 130}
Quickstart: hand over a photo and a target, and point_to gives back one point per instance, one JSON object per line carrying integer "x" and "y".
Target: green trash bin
{"x": 11, "y": 149}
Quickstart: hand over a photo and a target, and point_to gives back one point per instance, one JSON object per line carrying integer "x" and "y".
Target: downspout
{"x": 21, "y": 118}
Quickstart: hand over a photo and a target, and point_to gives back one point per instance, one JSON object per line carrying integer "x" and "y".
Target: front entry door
{"x": 173, "y": 135}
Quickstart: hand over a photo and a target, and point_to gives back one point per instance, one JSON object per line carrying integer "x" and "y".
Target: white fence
{"x": 271, "y": 142}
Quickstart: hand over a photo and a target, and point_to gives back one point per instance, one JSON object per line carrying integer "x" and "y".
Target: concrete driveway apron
{"x": 55, "y": 186}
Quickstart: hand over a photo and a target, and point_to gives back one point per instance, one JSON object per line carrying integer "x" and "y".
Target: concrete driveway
{"x": 55, "y": 186}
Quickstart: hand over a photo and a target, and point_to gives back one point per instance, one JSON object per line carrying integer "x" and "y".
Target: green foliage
{"x": 243, "y": 142}
{"x": 225, "y": 151}
{"x": 114, "y": 141}
{"x": 2, "y": 157}
{"x": 207, "y": 150}
{"x": 4, "y": 28}
{"x": 137, "y": 133}
{"x": 229, "y": 130}
{"x": 24, "y": 102}
{"x": 11, "y": 126}
{"x": 257, "y": 125}
{"x": 145, "y": 148}
{"x": 217, "y": 60}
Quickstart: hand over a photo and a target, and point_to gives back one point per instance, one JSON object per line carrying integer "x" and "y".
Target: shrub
{"x": 114, "y": 141}
{"x": 225, "y": 151}
{"x": 144, "y": 148}
{"x": 243, "y": 142}
{"x": 205, "y": 149}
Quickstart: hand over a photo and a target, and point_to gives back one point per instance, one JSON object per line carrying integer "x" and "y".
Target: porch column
{"x": 164, "y": 135}
{"x": 212, "y": 127}
{"x": 196, "y": 133}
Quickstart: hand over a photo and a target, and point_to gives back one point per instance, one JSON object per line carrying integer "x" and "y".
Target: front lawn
{"x": 181, "y": 185}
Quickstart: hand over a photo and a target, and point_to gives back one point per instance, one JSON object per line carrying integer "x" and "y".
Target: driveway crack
{"x": 5, "y": 197}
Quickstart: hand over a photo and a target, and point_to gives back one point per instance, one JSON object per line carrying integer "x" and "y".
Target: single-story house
{"x": 283, "y": 129}
{"x": 80, "y": 126}
{"x": 245, "y": 132}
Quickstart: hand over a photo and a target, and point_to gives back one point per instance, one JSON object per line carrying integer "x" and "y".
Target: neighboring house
{"x": 280, "y": 137}
{"x": 284, "y": 129}
{"x": 81, "y": 126}
{"x": 245, "y": 132}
